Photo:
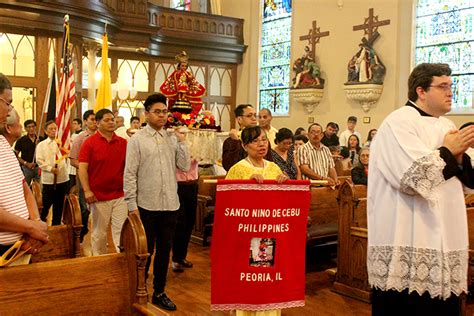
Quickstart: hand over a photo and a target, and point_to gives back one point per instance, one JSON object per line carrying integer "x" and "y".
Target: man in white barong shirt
{"x": 418, "y": 242}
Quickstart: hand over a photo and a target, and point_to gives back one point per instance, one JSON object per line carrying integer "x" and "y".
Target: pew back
{"x": 64, "y": 240}
{"x": 351, "y": 277}
{"x": 323, "y": 218}
{"x": 108, "y": 284}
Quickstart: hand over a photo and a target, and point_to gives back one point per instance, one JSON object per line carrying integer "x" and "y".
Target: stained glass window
{"x": 444, "y": 34}
{"x": 274, "y": 81}
{"x": 184, "y": 5}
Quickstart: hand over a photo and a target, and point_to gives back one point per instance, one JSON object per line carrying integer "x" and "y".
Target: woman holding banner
{"x": 255, "y": 143}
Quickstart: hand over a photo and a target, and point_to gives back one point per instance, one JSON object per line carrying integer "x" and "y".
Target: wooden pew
{"x": 351, "y": 276}
{"x": 64, "y": 240}
{"x": 205, "y": 210}
{"x": 107, "y": 284}
{"x": 323, "y": 218}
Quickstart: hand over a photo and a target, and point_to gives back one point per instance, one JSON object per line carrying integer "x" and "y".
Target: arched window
{"x": 274, "y": 81}
{"x": 444, "y": 34}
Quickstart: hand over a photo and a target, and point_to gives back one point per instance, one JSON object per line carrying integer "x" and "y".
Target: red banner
{"x": 258, "y": 245}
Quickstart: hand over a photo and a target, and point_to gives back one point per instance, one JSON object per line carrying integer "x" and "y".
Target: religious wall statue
{"x": 365, "y": 66}
{"x": 307, "y": 72}
{"x": 183, "y": 91}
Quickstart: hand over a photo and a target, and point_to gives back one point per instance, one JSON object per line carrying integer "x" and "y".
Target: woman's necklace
{"x": 256, "y": 167}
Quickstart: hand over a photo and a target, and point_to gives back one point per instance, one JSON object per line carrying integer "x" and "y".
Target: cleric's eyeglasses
{"x": 444, "y": 86}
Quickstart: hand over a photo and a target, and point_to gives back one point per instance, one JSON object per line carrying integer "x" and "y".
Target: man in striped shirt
{"x": 18, "y": 211}
{"x": 315, "y": 159}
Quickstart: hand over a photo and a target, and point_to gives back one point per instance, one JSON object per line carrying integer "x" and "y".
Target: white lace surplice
{"x": 417, "y": 224}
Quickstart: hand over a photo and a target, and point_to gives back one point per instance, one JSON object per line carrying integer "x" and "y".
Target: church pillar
{"x": 91, "y": 55}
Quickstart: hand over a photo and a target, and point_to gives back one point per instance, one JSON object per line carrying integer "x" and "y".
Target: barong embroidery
{"x": 417, "y": 269}
{"x": 423, "y": 176}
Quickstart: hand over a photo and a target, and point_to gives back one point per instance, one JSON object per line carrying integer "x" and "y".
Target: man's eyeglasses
{"x": 9, "y": 104}
{"x": 444, "y": 86}
{"x": 250, "y": 115}
{"x": 159, "y": 111}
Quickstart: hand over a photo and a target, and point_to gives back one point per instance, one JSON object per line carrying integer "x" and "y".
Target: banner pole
{"x": 313, "y": 182}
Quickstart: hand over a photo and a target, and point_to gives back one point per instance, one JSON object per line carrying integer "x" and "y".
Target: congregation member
{"x": 91, "y": 128}
{"x": 120, "y": 129}
{"x": 151, "y": 188}
{"x": 283, "y": 154}
{"x": 370, "y": 137}
{"x": 254, "y": 166}
{"x": 76, "y": 129}
{"x": 135, "y": 125}
{"x": 265, "y": 122}
{"x": 19, "y": 216}
{"x": 351, "y": 125}
{"x": 315, "y": 159}
{"x": 54, "y": 174}
{"x": 330, "y": 137}
{"x": 232, "y": 150}
{"x": 353, "y": 145}
{"x": 187, "y": 194}
{"x": 301, "y": 131}
{"x": 101, "y": 168}
{"x": 360, "y": 172}
{"x": 417, "y": 256}
{"x": 76, "y": 126}
{"x": 25, "y": 148}
{"x": 300, "y": 140}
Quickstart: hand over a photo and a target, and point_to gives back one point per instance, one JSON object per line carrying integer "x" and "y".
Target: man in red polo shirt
{"x": 101, "y": 166}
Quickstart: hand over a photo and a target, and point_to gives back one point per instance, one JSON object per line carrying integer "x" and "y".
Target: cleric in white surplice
{"x": 418, "y": 241}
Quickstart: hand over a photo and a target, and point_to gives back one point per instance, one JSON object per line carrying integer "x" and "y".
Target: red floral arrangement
{"x": 204, "y": 120}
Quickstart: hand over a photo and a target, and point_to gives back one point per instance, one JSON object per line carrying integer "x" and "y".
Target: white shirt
{"x": 417, "y": 224}
{"x": 150, "y": 170}
{"x": 271, "y": 135}
{"x": 46, "y": 158}
{"x": 122, "y": 132}
{"x": 344, "y": 137}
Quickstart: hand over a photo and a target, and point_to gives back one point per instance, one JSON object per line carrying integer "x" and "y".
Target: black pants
{"x": 394, "y": 303}
{"x": 159, "y": 229}
{"x": 55, "y": 197}
{"x": 187, "y": 192}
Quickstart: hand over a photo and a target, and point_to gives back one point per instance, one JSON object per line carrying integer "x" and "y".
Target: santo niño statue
{"x": 183, "y": 91}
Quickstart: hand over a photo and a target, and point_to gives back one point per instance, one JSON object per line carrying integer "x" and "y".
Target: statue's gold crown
{"x": 182, "y": 57}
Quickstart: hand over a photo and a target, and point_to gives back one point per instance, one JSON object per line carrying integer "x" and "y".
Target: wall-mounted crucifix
{"x": 275, "y": 96}
{"x": 371, "y": 25}
{"x": 313, "y": 37}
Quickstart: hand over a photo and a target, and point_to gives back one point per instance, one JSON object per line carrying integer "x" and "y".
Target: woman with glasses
{"x": 254, "y": 166}
{"x": 283, "y": 154}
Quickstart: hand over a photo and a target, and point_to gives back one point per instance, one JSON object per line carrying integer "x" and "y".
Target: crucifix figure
{"x": 366, "y": 66}
{"x": 308, "y": 74}
{"x": 313, "y": 37}
{"x": 275, "y": 96}
{"x": 371, "y": 25}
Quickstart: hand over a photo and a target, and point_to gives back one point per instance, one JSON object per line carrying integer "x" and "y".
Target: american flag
{"x": 67, "y": 94}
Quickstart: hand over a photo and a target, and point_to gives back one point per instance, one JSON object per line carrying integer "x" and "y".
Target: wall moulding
{"x": 366, "y": 95}
{"x": 308, "y": 98}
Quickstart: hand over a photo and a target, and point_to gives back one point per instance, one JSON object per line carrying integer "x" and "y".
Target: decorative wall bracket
{"x": 309, "y": 98}
{"x": 364, "y": 94}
